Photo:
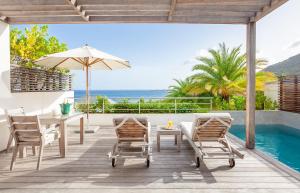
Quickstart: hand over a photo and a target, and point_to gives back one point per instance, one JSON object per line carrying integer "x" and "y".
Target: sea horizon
{"x": 123, "y": 93}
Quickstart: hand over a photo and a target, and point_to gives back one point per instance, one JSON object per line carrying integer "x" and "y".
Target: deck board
{"x": 87, "y": 169}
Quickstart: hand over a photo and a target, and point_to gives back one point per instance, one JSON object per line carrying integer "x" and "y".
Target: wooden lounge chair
{"x": 133, "y": 139}
{"x": 210, "y": 128}
{"x": 27, "y": 131}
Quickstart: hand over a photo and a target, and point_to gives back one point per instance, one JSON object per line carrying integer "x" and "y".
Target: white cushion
{"x": 212, "y": 115}
{"x": 51, "y": 134}
{"x": 187, "y": 129}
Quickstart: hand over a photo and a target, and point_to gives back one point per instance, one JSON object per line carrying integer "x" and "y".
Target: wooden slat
{"x": 289, "y": 93}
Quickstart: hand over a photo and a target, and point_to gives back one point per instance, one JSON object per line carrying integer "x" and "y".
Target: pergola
{"x": 245, "y": 12}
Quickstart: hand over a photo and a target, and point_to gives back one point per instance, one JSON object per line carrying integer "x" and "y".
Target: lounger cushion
{"x": 187, "y": 128}
{"x": 210, "y": 115}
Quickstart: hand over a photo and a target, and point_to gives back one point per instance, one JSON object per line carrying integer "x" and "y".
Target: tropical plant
{"x": 224, "y": 73}
{"x": 183, "y": 88}
{"x": 32, "y": 43}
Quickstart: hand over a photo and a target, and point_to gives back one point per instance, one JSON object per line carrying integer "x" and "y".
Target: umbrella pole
{"x": 87, "y": 91}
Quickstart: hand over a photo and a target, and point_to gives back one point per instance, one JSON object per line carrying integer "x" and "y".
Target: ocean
{"x": 79, "y": 94}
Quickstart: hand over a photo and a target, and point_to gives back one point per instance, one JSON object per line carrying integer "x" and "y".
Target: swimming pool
{"x": 279, "y": 141}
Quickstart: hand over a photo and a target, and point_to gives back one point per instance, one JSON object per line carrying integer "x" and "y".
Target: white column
{"x": 4, "y": 62}
{"x": 250, "y": 102}
{"x": 4, "y": 81}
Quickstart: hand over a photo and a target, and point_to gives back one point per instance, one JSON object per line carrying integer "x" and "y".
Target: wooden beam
{"x": 128, "y": 19}
{"x": 172, "y": 9}
{"x": 31, "y": 2}
{"x": 19, "y": 7}
{"x": 38, "y": 13}
{"x": 191, "y": 13}
{"x": 268, "y": 9}
{"x": 205, "y": 13}
{"x": 224, "y": 2}
{"x": 251, "y": 71}
{"x": 46, "y": 20}
{"x": 124, "y": 2}
{"x": 78, "y": 9}
{"x": 126, "y": 13}
{"x": 126, "y": 7}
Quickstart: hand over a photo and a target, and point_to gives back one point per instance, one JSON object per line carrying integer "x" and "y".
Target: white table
{"x": 175, "y": 131}
{"x": 62, "y": 120}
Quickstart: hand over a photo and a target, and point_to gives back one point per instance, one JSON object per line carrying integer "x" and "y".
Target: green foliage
{"x": 221, "y": 74}
{"x": 32, "y": 43}
{"x": 263, "y": 102}
{"x": 150, "y": 106}
{"x": 239, "y": 103}
{"x": 183, "y": 88}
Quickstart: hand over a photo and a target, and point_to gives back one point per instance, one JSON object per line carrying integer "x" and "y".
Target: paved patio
{"x": 87, "y": 169}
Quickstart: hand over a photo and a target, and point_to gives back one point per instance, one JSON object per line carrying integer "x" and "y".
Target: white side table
{"x": 175, "y": 131}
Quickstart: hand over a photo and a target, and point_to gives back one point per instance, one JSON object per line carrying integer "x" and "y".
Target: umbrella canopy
{"x": 80, "y": 58}
{"x": 84, "y": 58}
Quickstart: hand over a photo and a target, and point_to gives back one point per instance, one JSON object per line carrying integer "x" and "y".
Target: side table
{"x": 175, "y": 131}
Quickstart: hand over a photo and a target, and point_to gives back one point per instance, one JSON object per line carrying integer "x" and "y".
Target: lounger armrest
{"x": 149, "y": 132}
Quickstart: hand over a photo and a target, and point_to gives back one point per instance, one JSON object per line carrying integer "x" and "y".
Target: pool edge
{"x": 281, "y": 166}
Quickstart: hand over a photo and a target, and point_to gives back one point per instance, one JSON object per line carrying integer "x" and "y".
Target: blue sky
{"x": 159, "y": 53}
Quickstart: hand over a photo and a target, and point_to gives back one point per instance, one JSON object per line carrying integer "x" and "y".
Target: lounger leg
{"x": 22, "y": 151}
{"x": 229, "y": 147}
{"x": 178, "y": 137}
{"x": 114, "y": 149}
{"x": 14, "y": 157}
{"x": 40, "y": 156}
{"x": 158, "y": 142}
{"x": 33, "y": 150}
{"x": 9, "y": 142}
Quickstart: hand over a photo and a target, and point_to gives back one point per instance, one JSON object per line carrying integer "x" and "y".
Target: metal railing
{"x": 145, "y": 104}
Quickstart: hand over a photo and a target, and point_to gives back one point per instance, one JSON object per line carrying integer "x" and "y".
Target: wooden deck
{"x": 87, "y": 169}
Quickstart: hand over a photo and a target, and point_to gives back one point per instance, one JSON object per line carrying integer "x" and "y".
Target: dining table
{"x": 62, "y": 121}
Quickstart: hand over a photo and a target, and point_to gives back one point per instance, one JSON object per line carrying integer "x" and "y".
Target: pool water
{"x": 279, "y": 141}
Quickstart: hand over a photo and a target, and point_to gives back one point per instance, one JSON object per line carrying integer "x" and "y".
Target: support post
{"x": 251, "y": 71}
{"x": 175, "y": 103}
{"x": 87, "y": 91}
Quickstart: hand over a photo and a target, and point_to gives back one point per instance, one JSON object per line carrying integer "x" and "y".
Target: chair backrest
{"x": 25, "y": 129}
{"x": 131, "y": 128}
{"x": 10, "y": 112}
{"x": 211, "y": 126}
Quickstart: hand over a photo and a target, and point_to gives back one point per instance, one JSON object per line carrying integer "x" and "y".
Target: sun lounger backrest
{"x": 211, "y": 128}
{"x": 131, "y": 128}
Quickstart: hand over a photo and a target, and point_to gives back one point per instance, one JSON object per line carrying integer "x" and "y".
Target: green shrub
{"x": 183, "y": 106}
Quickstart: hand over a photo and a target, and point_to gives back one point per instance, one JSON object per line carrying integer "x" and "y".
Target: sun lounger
{"x": 207, "y": 131}
{"x": 133, "y": 139}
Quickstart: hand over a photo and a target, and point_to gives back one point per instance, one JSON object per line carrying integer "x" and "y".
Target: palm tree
{"x": 224, "y": 72}
{"x": 183, "y": 88}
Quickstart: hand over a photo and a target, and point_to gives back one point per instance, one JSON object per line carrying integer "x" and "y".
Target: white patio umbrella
{"x": 84, "y": 58}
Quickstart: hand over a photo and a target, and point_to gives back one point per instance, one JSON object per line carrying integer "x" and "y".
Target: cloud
{"x": 294, "y": 44}
{"x": 199, "y": 53}
{"x": 202, "y": 53}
